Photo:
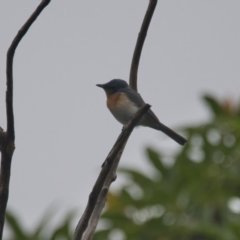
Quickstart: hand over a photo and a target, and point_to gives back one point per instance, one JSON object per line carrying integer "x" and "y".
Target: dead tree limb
{"x": 139, "y": 44}
{"x": 93, "y": 221}
{"x": 105, "y": 178}
{"x": 7, "y": 139}
{"x": 88, "y": 223}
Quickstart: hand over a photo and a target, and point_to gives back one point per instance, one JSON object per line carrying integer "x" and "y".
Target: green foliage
{"x": 42, "y": 231}
{"x": 190, "y": 200}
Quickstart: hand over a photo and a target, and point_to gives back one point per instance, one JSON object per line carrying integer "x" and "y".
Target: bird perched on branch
{"x": 123, "y": 102}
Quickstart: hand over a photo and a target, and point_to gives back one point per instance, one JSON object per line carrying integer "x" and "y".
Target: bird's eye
{"x": 112, "y": 88}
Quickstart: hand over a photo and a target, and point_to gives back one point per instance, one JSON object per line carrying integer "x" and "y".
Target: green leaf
{"x": 15, "y": 227}
{"x": 213, "y": 104}
{"x": 155, "y": 160}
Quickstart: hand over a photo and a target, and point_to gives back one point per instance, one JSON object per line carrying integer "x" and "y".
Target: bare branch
{"x": 89, "y": 233}
{"x": 107, "y": 172}
{"x": 9, "y": 70}
{"x": 7, "y": 138}
{"x": 2, "y": 137}
{"x": 90, "y": 218}
{"x": 139, "y": 45}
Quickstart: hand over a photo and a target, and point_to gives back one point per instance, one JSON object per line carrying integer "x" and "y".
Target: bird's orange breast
{"x": 121, "y": 107}
{"x": 115, "y": 99}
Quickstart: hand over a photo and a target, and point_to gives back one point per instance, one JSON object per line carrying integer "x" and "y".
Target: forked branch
{"x": 88, "y": 223}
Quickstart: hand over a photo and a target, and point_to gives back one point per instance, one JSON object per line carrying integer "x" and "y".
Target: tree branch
{"x": 88, "y": 223}
{"x": 9, "y": 70}
{"x": 89, "y": 233}
{"x": 7, "y": 138}
{"x": 107, "y": 175}
{"x": 139, "y": 45}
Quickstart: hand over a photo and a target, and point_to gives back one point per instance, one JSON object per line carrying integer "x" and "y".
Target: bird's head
{"x": 113, "y": 86}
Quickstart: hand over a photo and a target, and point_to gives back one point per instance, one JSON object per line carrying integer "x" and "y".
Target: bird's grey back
{"x": 133, "y": 96}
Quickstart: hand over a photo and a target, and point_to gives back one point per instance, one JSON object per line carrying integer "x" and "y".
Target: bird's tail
{"x": 176, "y": 137}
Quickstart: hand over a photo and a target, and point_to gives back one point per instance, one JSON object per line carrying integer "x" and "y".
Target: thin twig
{"x": 108, "y": 170}
{"x": 10, "y": 55}
{"x": 7, "y": 138}
{"x": 139, "y": 45}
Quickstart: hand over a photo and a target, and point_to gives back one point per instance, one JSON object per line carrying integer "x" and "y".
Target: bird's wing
{"x": 134, "y": 96}
{"x": 137, "y": 99}
{"x": 152, "y": 116}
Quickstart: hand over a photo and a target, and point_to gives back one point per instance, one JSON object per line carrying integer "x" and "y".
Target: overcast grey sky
{"x": 63, "y": 128}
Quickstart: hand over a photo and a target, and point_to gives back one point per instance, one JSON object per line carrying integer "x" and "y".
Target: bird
{"x": 123, "y": 102}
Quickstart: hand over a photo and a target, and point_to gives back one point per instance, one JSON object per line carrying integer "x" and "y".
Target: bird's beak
{"x": 100, "y": 85}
